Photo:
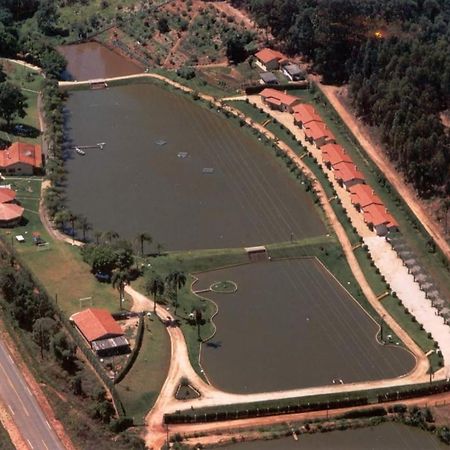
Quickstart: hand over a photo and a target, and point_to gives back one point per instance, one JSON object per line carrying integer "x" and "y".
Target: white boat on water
{"x": 79, "y": 151}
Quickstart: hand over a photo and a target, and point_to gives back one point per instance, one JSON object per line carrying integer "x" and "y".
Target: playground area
{"x": 289, "y": 325}
{"x": 190, "y": 177}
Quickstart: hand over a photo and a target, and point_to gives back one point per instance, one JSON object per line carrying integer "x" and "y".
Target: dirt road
{"x": 378, "y": 156}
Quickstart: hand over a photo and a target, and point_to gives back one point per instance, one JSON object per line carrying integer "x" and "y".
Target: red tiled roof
{"x": 305, "y": 113}
{"x": 378, "y": 215}
{"x": 334, "y": 154}
{"x": 21, "y": 152}
{"x": 363, "y": 195}
{"x": 10, "y": 211}
{"x": 346, "y": 172}
{"x": 267, "y": 54}
{"x": 317, "y": 130}
{"x": 7, "y": 195}
{"x": 269, "y": 94}
{"x": 95, "y": 323}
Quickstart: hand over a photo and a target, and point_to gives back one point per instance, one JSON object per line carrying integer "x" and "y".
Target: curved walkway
{"x": 180, "y": 365}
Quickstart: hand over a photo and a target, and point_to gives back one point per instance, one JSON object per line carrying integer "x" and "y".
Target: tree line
{"x": 395, "y": 56}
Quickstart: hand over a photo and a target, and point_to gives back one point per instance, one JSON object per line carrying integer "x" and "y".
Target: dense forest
{"x": 395, "y": 55}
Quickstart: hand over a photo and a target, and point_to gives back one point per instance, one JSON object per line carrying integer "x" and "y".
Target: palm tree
{"x": 109, "y": 236}
{"x": 198, "y": 321}
{"x": 84, "y": 225}
{"x": 61, "y": 217}
{"x": 119, "y": 280}
{"x": 176, "y": 280}
{"x": 98, "y": 235}
{"x": 73, "y": 218}
{"x": 142, "y": 238}
{"x": 155, "y": 286}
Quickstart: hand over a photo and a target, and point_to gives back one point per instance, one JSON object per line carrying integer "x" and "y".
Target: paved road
{"x": 23, "y": 407}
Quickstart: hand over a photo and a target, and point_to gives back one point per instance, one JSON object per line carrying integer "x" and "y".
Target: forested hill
{"x": 395, "y": 54}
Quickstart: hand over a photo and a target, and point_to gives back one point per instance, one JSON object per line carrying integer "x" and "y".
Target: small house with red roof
{"x": 10, "y": 212}
{"x": 21, "y": 158}
{"x": 318, "y": 133}
{"x": 333, "y": 154}
{"x": 305, "y": 114}
{"x": 268, "y": 59}
{"x": 101, "y": 331}
{"x": 379, "y": 219}
{"x": 362, "y": 196}
{"x": 279, "y": 100}
{"x": 347, "y": 174}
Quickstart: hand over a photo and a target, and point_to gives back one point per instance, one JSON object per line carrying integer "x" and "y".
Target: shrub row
{"x": 134, "y": 354}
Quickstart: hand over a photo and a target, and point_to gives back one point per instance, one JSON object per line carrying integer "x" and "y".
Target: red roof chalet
{"x": 21, "y": 152}
{"x": 304, "y": 114}
{"x": 96, "y": 324}
{"x": 266, "y": 55}
{"x": 333, "y": 154}
{"x": 378, "y": 215}
{"x": 347, "y": 173}
{"x": 362, "y": 196}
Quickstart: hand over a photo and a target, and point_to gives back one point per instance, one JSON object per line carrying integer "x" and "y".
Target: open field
{"x": 140, "y": 388}
{"x": 297, "y": 328}
{"x": 247, "y": 200}
{"x": 387, "y": 436}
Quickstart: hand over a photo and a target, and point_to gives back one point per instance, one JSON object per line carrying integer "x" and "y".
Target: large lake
{"x": 291, "y": 325}
{"x": 211, "y": 185}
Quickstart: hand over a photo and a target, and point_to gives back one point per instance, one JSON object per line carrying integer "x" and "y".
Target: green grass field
{"x": 140, "y": 388}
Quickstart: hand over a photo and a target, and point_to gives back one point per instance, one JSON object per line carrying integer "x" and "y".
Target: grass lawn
{"x": 140, "y": 388}
{"x": 58, "y": 265}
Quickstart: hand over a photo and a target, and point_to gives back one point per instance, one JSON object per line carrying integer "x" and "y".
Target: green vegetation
{"x": 5, "y": 441}
{"x": 224, "y": 287}
{"x": 140, "y": 388}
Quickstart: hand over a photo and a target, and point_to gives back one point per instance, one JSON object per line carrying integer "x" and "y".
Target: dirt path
{"x": 378, "y": 156}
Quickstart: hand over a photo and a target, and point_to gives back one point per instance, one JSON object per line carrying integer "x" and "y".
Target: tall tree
{"x": 12, "y": 102}
{"x": 176, "y": 280}
{"x": 156, "y": 287}
{"x": 142, "y": 238}
{"x": 119, "y": 280}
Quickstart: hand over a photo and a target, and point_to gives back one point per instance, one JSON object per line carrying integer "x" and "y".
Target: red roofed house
{"x": 10, "y": 213}
{"x": 379, "y": 219}
{"x": 333, "y": 154}
{"x": 269, "y": 59}
{"x": 304, "y": 114}
{"x": 21, "y": 158}
{"x": 278, "y": 99}
{"x": 347, "y": 174}
{"x": 103, "y": 333}
{"x": 319, "y": 134}
{"x": 362, "y": 196}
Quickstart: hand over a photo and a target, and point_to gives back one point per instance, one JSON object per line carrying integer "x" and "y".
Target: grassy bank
{"x": 140, "y": 388}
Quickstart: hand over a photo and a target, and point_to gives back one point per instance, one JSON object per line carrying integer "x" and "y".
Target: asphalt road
{"x": 23, "y": 407}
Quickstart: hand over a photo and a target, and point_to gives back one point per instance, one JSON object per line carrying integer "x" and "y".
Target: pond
{"x": 92, "y": 60}
{"x": 387, "y": 436}
{"x": 289, "y": 325}
{"x": 188, "y": 176}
